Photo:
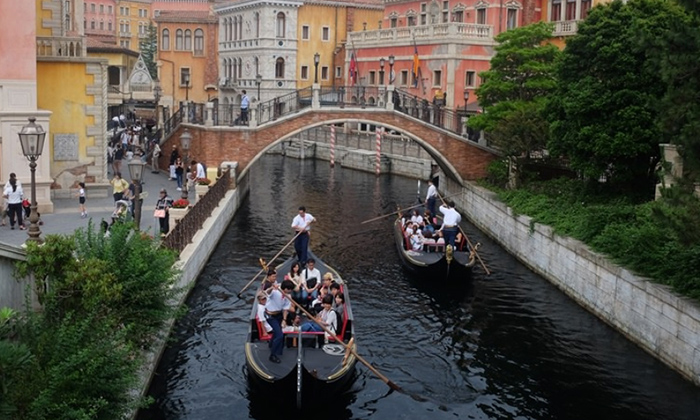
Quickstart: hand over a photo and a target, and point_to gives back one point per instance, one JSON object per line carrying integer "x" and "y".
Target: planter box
{"x": 200, "y": 190}
{"x": 176, "y": 215}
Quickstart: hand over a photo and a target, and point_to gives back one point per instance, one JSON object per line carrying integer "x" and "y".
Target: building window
{"x": 404, "y": 77}
{"x": 411, "y": 20}
{"x": 437, "y": 78}
{"x": 102, "y": 9}
{"x": 571, "y": 10}
{"x": 188, "y": 40}
{"x": 185, "y": 75}
{"x": 92, "y": 7}
{"x": 304, "y": 72}
{"x": 325, "y": 33}
{"x": 84, "y": 23}
{"x": 512, "y": 19}
{"x": 279, "y": 68}
{"x": 393, "y": 22}
{"x": 423, "y": 19}
{"x": 92, "y": 24}
{"x": 585, "y": 7}
{"x": 199, "y": 42}
{"x": 165, "y": 40}
{"x": 109, "y": 9}
{"x": 84, "y": 7}
{"x": 178, "y": 40}
{"x": 556, "y": 11}
{"x": 109, "y": 25}
{"x": 481, "y": 16}
{"x": 458, "y": 16}
{"x": 102, "y": 25}
{"x": 305, "y": 32}
{"x": 372, "y": 77}
{"x": 324, "y": 73}
{"x": 257, "y": 25}
{"x": 281, "y": 29}
{"x": 470, "y": 78}
{"x": 338, "y": 72}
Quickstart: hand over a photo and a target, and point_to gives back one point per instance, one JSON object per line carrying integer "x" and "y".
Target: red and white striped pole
{"x": 379, "y": 150}
{"x": 332, "y": 145}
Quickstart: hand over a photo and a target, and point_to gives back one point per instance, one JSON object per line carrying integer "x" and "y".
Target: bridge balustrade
{"x": 284, "y": 105}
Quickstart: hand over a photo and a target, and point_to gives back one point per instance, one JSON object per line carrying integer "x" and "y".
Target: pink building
{"x": 450, "y": 42}
{"x": 100, "y": 20}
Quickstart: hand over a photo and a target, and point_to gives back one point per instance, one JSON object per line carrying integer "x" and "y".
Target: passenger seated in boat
{"x": 417, "y": 241}
{"x": 262, "y": 300}
{"x": 409, "y": 229}
{"x": 315, "y": 305}
{"x": 428, "y": 221}
{"x": 311, "y": 281}
{"x": 327, "y": 317}
{"x": 270, "y": 280}
{"x": 339, "y": 306}
{"x": 441, "y": 239}
{"x": 416, "y": 218}
{"x": 428, "y": 240}
{"x": 334, "y": 289}
{"x": 295, "y": 276}
{"x": 328, "y": 280}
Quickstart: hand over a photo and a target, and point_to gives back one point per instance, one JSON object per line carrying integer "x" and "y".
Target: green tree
{"x": 515, "y": 91}
{"x": 149, "y": 50}
{"x": 605, "y": 108}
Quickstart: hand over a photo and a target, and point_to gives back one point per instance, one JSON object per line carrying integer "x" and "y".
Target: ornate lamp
{"x": 32, "y": 138}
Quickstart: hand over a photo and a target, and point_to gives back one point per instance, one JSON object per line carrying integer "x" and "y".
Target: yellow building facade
{"x": 322, "y": 28}
{"x": 132, "y": 22}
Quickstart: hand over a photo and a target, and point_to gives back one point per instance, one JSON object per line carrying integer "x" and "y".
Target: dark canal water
{"x": 511, "y": 346}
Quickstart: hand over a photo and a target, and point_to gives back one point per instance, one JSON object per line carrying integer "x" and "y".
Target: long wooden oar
{"x": 350, "y": 348}
{"x": 401, "y": 210}
{"x": 263, "y": 269}
{"x": 488, "y": 273}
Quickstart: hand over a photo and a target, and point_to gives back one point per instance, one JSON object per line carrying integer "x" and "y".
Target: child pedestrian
{"x": 81, "y": 200}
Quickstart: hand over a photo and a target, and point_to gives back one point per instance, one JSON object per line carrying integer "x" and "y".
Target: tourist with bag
{"x": 162, "y": 214}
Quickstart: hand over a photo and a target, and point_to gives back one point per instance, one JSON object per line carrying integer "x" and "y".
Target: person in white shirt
{"x": 327, "y": 317}
{"x": 13, "y": 194}
{"x": 431, "y": 196}
{"x": 276, "y": 310}
{"x": 417, "y": 218}
{"x": 245, "y": 103}
{"x": 262, "y": 300}
{"x": 302, "y": 225}
{"x": 310, "y": 280}
{"x": 450, "y": 222}
{"x": 198, "y": 170}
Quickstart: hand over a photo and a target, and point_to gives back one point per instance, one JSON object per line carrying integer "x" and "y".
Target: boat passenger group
{"x": 317, "y": 292}
{"x": 423, "y": 232}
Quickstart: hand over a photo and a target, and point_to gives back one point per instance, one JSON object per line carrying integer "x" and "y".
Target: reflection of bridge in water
{"x": 222, "y": 133}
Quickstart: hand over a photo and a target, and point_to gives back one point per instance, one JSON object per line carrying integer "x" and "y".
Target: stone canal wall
{"x": 651, "y": 315}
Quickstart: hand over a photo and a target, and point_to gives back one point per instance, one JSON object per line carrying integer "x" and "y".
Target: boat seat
{"x": 262, "y": 334}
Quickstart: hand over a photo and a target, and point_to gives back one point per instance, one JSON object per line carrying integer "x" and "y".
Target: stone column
{"x": 390, "y": 97}
{"x": 253, "y": 116}
{"x": 316, "y": 99}
{"x": 577, "y": 16}
{"x": 209, "y": 122}
{"x": 186, "y": 112}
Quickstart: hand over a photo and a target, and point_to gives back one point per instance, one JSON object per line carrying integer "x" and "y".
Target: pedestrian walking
{"x": 245, "y": 103}
{"x": 81, "y": 200}
{"x": 13, "y": 194}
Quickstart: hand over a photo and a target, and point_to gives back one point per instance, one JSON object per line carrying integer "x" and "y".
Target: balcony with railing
{"x": 60, "y": 47}
{"x": 566, "y": 27}
{"x": 453, "y": 30}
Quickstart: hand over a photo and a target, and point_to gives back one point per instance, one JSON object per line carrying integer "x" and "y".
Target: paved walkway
{"x": 66, "y": 216}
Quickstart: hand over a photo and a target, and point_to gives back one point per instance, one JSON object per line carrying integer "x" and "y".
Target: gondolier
{"x": 430, "y": 197}
{"x": 302, "y": 225}
{"x": 450, "y": 220}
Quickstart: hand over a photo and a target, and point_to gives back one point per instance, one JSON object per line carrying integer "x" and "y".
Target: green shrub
{"x": 497, "y": 173}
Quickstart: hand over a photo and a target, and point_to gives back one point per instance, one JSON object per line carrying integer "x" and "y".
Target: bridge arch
{"x": 459, "y": 158}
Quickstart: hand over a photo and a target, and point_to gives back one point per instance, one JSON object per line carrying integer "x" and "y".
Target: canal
{"x": 509, "y": 346}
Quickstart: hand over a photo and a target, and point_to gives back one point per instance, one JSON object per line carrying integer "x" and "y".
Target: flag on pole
{"x": 416, "y": 65}
{"x": 353, "y": 69}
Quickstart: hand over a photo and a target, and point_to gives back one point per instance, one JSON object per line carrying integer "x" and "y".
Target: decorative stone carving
{"x": 65, "y": 147}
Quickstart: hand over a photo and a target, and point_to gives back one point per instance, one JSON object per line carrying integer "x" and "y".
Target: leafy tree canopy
{"x": 149, "y": 50}
{"x": 521, "y": 77}
{"x": 604, "y": 111}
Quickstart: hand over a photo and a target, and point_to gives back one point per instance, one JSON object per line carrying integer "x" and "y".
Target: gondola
{"x": 435, "y": 262}
{"x": 311, "y": 370}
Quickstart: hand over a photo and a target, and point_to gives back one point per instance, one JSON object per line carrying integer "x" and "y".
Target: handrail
{"x": 185, "y": 229}
{"x": 431, "y": 113}
{"x": 284, "y": 105}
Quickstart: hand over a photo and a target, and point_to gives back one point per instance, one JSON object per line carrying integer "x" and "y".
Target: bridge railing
{"x": 172, "y": 123}
{"x": 433, "y": 114}
{"x": 228, "y": 114}
{"x": 353, "y": 96}
{"x": 284, "y": 105}
{"x": 185, "y": 229}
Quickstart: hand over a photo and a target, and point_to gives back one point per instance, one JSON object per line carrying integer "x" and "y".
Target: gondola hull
{"x": 433, "y": 263}
{"x": 309, "y": 368}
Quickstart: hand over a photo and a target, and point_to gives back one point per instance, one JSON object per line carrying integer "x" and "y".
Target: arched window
{"x": 199, "y": 42}
{"x": 178, "y": 39}
{"x": 240, "y": 27}
{"x": 165, "y": 40}
{"x": 92, "y": 24}
{"x": 235, "y": 28}
{"x": 257, "y": 25}
{"x": 225, "y": 29}
{"x": 229, "y": 68}
{"x": 281, "y": 30}
{"x": 188, "y": 40}
{"x": 102, "y": 24}
{"x": 279, "y": 68}
{"x": 230, "y": 29}
{"x": 240, "y": 68}
{"x": 109, "y": 25}
{"x": 257, "y": 66}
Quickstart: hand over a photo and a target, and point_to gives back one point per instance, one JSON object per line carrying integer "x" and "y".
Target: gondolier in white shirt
{"x": 450, "y": 222}
{"x": 276, "y": 310}
{"x": 430, "y": 198}
{"x": 302, "y": 223}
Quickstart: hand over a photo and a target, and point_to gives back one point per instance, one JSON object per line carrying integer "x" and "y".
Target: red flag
{"x": 353, "y": 69}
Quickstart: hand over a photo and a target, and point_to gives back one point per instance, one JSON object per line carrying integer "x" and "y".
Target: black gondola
{"x": 437, "y": 262}
{"x": 310, "y": 369}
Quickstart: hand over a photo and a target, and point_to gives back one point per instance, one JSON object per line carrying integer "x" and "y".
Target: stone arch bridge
{"x": 459, "y": 158}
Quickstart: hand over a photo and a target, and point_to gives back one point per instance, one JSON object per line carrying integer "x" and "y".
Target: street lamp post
{"x": 157, "y": 92}
{"x": 317, "y": 59}
{"x": 258, "y": 80}
{"x": 31, "y": 138}
{"x": 136, "y": 172}
{"x": 391, "y": 69}
{"x": 187, "y": 87}
{"x": 466, "y": 117}
{"x": 185, "y": 139}
{"x": 381, "y": 71}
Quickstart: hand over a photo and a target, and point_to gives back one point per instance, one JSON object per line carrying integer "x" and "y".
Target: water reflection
{"x": 509, "y": 346}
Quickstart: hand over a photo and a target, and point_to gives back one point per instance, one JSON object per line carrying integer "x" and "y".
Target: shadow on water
{"x": 507, "y": 346}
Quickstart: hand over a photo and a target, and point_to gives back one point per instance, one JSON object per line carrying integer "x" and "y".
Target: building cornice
{"x": 255, "y": 4}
